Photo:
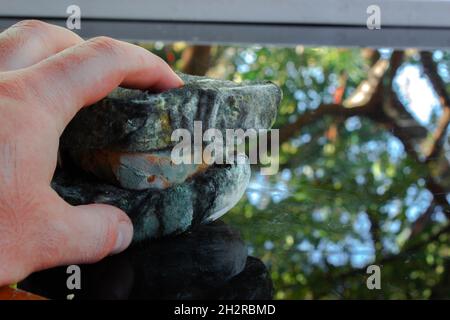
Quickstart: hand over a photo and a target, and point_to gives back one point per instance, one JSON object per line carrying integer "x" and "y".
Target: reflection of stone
{"x": 253, "y": 283}
{"x": 118, "y": 152}
{"x": 209, "y": 262}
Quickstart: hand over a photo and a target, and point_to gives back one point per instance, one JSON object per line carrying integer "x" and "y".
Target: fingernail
{"x": 124, "y": 237}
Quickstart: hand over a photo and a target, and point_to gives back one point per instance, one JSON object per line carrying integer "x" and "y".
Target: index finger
{"x": 84, "y": 74}
{"x": 30, "y": 41}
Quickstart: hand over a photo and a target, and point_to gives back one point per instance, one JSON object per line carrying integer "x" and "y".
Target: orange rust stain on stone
{"x": 200, "y": 169}
{"x": 165, "y": 183}
{"x": 157, "y": 159}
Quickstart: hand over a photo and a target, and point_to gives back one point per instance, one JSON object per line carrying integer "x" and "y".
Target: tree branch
{"x": 362, "y": 101}
{"x": 439, "y": 194}
{"x": 404, "y": 252}
{"x": 422, "y": 221}
{"x": 196, "y": 60}
{"x": 430, "y": 69}
{"x": 366, "y": 91}
{"x": 290, "y": 130}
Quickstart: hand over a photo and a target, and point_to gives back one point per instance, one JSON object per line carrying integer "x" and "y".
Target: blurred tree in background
{"x": 364, "y": 177}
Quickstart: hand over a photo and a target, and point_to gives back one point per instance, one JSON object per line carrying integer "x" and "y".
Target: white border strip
{"x": 405, "y": 13}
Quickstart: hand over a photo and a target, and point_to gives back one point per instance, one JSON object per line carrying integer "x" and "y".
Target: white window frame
{"x": 404, "y": 23}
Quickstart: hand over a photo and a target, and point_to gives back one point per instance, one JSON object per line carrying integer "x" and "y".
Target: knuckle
{"x": 60, "y": 243}
{"x": 105, "y": 240}
{"x": 27, "y": 32}
{"x": 101, "y": 241}
{"x": 31, "y": 26}
{"x": 105, "y": 45}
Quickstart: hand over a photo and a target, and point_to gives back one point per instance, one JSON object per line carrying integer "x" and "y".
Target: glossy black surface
{"x": 210, "y": 262}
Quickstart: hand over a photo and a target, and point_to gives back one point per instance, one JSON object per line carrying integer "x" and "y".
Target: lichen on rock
{"x": 117, "y": 151}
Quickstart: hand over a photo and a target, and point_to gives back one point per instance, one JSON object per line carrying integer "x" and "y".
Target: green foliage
{"x": 347, "y": 194}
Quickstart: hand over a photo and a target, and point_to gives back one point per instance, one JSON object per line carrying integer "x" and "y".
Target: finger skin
{"x": 30, "y": 41}
{"x": 37, "y": 228}
{"x": 81, "y": 234}
{"x": 83, "y": 74}
{"x": 51, "y": 233}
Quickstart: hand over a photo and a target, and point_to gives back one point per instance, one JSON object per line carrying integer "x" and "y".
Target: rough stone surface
{"x": 140, "y": 121}
{"x": 125, "y": 139}
{"x": 157, "y": 213}
{"x": 117, "y": 152}
{"x": 134, "y": 170}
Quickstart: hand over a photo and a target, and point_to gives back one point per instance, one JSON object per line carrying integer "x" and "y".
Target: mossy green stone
{"x": 106, "y": 147}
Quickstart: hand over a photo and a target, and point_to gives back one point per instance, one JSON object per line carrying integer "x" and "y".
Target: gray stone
{"x": 158, "y": 213}
{"x": 117, "y": 152}
{"x": 139, "y": 121}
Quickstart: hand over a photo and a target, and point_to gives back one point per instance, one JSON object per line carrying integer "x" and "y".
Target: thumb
{"x": 105, "y": 229}
{"x": 86, "y": 233}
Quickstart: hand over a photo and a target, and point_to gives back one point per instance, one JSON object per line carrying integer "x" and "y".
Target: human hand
{"x": 47, "y": 73}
